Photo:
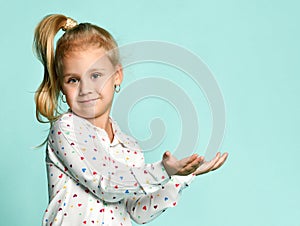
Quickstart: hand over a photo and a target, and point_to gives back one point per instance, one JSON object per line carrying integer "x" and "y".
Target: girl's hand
{"x": 181, "y": 167}
{"x": 211, "y": 165}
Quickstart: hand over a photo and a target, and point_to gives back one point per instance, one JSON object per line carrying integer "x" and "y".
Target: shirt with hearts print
{"x": 93, "y": 181}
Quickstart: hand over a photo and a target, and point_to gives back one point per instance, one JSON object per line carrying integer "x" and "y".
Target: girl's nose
{"x": 85, "y": 87}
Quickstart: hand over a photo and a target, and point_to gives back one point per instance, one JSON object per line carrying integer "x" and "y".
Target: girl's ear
{"x": 119, "y": 74}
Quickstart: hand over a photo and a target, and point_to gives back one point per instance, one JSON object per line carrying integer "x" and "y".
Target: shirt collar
{"x": 125, "y": 140}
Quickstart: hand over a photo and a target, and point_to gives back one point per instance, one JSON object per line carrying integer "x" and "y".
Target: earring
{"x": 117, "y": 88}
{"x": 63, "y": 98}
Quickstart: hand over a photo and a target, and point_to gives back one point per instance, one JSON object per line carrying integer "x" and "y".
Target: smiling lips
{"x": 88, "y": 101}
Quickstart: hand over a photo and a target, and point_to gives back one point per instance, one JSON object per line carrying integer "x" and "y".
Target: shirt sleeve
{"x": 78, "y": 152}
{"x": 145, "y": 208}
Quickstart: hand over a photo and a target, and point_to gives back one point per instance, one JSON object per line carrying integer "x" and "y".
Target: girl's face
{"x": 88, "y": 82}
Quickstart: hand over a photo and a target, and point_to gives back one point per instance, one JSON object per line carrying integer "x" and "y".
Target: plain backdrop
{"x": 253, "y": 50}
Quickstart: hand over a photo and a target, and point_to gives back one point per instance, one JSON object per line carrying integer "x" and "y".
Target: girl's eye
{"x": 96, "y": 75}
{"x": 72, "y": 80}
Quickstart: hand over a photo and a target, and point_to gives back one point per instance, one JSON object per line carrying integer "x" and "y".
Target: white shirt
{"x": 93, "y": 181}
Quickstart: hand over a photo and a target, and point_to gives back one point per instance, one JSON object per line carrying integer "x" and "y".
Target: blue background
{"x": 253, "y": 50}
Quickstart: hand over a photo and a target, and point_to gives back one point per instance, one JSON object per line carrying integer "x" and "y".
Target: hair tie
{"x": 70, "y": 23}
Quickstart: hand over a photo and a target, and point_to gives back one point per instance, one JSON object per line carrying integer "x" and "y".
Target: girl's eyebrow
{"x": 88, "y": 71}
{"x": 69, "y": 75}
{"x": 96, "y": 69}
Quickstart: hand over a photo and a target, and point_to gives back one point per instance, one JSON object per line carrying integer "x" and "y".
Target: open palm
{"x": 215, "y": 163}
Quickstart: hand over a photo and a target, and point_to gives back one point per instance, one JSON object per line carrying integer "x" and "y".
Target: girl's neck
{"x": 103, "y": 122}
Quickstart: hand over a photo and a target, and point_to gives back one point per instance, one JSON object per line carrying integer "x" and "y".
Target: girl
{"x": 96, "y": 173}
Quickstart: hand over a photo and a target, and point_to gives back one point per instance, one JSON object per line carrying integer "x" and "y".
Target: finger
{"x": 197, "y": 162}
{"x": 221, "y": 161}
{"x": 189, "y": 164}
{"x": 190, "y": 168}
{"x": 191, "y": 159}
{"x": 205, "y": 167}
{"x": 212, "y": 162}
{"x": 201, "y": 160}
{"x": 187, "y": 161}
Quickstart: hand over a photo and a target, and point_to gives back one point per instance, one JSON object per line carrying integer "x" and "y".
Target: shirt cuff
{"x": 152, "y": 177}
{"x": 184, "y": 181}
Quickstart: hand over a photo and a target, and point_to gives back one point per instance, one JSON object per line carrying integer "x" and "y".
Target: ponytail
{"x": 76, "y": 37}
{"x": 46, "y": 96}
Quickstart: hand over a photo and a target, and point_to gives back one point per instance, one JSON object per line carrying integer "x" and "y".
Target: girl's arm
{"x": 78, "y": 151}
{"x": 145, "y": 208}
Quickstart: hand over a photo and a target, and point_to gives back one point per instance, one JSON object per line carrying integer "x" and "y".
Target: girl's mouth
{"x": 88, "y": 100}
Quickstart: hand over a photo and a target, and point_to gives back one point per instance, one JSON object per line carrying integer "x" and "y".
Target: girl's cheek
{"x": 70, "y": 94}
{"x": 100, "y": 86}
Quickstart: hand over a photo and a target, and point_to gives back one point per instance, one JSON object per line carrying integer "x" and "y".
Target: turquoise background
{"x": 252, "y": 48}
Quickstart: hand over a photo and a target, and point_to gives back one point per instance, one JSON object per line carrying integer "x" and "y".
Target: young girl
{"x": 96, "y": 173}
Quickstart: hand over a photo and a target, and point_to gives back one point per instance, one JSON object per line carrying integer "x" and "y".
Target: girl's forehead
{"x": 90, "y": 51}
{"x": 81, "y": 61}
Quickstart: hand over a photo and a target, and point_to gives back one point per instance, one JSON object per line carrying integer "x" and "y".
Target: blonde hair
{"x": 78, "y": 37}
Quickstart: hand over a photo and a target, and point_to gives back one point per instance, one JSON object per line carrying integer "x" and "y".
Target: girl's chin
{"x": 89, "y": 115}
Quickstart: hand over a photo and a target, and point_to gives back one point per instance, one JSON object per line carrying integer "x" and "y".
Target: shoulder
{"x": 69, "y": 129}
{"x": 67, "y": 122}
{"x": 67, "y": 118}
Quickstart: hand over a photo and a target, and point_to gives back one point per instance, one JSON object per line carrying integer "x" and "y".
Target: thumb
{"x": 166, "y": 155}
